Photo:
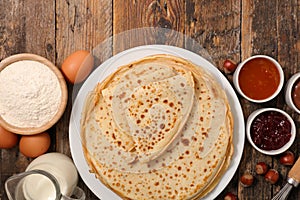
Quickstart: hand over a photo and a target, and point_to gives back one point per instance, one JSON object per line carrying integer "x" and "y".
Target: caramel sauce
{"x": 259, "y": 78}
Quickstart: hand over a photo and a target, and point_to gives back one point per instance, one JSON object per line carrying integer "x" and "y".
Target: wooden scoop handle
{"x": 294, "y": 173}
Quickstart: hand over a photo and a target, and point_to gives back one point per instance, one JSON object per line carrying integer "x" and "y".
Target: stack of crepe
{"x": 158, "y": 128}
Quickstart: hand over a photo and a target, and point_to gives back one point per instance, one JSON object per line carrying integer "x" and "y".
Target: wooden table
{"x": 234, "y": 29}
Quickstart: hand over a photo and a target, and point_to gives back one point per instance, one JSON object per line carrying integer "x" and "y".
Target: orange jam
{"x": 259, "y": 78}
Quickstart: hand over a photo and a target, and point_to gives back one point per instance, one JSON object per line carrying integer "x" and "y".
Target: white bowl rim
{"x": 254, "y": 114}
{"x": 240, "y": 66}
{"x": 288, "y": 91}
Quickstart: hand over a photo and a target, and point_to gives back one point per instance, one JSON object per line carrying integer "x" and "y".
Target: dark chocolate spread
{"x": 296, "y": 94}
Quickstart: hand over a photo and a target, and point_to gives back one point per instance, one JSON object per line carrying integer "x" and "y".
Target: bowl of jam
{"x": 270, "y": 131}
{"x": 259, "y": 78}
{"x": 292, "y": 92}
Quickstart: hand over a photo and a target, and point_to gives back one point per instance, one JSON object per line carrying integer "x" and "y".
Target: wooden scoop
{"x": 292, "y": 180}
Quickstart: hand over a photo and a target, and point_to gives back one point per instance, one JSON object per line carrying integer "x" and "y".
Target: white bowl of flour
{"x": 33, "y": 94}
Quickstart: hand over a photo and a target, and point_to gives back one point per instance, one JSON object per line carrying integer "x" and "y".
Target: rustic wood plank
{"x": 168, "y": 16}
{"x": 288, "y": 55}
{"x": 288, "y": 37}
{"x": 227, "y": 29}
{"x": 216, "y": 26}
{"x": 25, "y": 26}
{"x": 246, "y": 29}
{"x": 79, "y": 25}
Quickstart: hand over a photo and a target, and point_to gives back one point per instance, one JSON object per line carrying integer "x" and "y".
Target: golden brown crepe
{"x": 158, "y": 128}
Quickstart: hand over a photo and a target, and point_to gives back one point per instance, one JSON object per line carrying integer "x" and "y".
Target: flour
{"x": 30, "y": 94}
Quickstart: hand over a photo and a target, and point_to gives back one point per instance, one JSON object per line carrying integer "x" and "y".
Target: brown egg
{"x": 34, "y": 145}
{"x": 77, "y": 66}
{"x": 7, "y": 139}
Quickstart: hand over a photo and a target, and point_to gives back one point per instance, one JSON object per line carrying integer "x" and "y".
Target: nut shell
{"x": 247, "y": 179}
{"x": 261, "y": 168}
{"x": 272, "y": 176}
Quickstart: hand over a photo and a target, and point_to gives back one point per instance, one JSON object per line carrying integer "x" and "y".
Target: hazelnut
{"x": 261, "y": 168}
{"x": 287, "y": 158}
{"x": 229, "y": 66}
{"x": 247, "y": 179}
{"x": 230, "y": 196}
{"x": 272, "y": 176}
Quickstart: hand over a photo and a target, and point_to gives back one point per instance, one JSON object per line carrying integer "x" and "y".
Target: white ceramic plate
{"x": 109, "y": 66}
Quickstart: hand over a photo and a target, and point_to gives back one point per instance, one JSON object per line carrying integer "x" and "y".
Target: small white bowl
{"x": 288, "y": 91}
{"x": 241, "y": 65}
{"x": 250, "y": 120}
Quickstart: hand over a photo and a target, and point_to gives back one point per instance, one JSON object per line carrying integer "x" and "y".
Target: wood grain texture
{"x": 226, "y": 29}
{"x": 135, "y": 16}
{"x": 216, "y": 26}
{"x": 27, "y": 26}
{"x": 80, "y": 25}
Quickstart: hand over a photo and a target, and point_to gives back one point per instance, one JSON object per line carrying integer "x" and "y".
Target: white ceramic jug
{"x": 51, "y": 176}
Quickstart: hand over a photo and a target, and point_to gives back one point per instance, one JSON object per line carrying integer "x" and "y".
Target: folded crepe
{"x": 158, "y": 128}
